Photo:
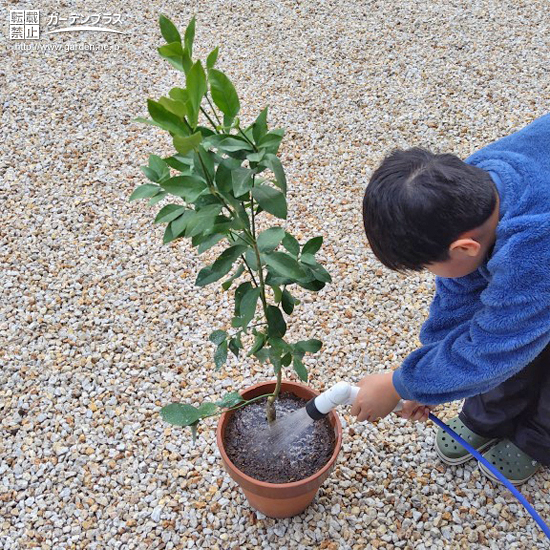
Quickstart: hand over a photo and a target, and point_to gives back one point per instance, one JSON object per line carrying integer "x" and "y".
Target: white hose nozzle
{"x": 342, "y": 393}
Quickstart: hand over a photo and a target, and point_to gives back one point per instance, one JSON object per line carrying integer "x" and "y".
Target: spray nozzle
{"x": 342, "y": 393}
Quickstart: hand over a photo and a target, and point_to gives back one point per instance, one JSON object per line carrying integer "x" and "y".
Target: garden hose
{"x": 345, "y": 394}
{"x": 496, "y": 472}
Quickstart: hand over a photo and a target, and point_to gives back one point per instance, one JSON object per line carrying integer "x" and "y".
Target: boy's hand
{"x": 376, "y": 398}
{"x": 413, "y": 410}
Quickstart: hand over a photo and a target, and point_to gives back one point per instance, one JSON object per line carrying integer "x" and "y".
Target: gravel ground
{"x": 100, "y": 324}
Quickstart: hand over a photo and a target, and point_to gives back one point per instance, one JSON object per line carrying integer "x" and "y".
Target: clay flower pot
{"x": 279, "y": 500}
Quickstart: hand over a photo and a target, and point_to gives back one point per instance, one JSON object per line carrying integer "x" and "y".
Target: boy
{"x": 482, "y": 226}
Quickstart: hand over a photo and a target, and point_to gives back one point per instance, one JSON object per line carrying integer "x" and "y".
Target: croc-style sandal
{"x": 450, "y": 451}
{"x": 512, "y": 462}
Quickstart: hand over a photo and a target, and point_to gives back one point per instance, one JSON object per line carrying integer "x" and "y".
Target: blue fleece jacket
{"x": 487, "y": 326}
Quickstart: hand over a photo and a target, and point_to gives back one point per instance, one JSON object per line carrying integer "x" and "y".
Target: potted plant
{"x": 226, "y": 185}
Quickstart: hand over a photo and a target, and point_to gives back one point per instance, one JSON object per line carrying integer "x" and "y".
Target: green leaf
{"x": 285, "y": 265}
{"x": 185, "y": 144}
{"x": 259, "y": 128}
{"x": 144, "y": 192}
{"x": 167, "y": 120}
{"x": 276, "y": 322}
{"x": 280, "y": 345}
{"x": 204, "y": 163}
{"x": 147, "y": 121}
{"x": 196, "y": 88}
{"x": 313, "y": 284}
{"x": 159, "y": 166}
{"x": 270, "y": 239}
{"x": 174, "y": 106}
{"x": 218, "y": 336}
{"x": 207, "y": 409}
{"x": 220, "y": 357}
{"x": 189, "y": 36}
{"x": 274, "y": 164}
{"x": 224, "y": 94}
{"x": 232, "y": 144}
{"x": 206, "y": 242}
{"x": 271, "y": 200}
{"x": 312, "y": 246}
{"x": 308, "y": 259}
{"x": 180, "y": 414}
{"x": 169, "y": 212}
{"x": 168, "y": 30}
{"x": 212, "y": 58}
{"x": 172, "y": 49}
{"x": 239, "y": 271}
{"x": 288, "y": 302}
{"x": 300, "y": 369}
{"x": 203, "y": 220}
{"x": 220, "y": 267}
{"x": 235, "y": 345}
{"x": 259, "y": 342}
{"x": 277, "y": 294}
{"x": 224, "y": 174}
{"x": 174, "y": 54}
{"x": 252, "y": 260}
{"x": 291, "y": 244}
{"x": 179, "y": 94}
{"x": 188, "y": 188}
{"x": 255, "y": 157}
{"x": 242, "y": 289}
{"x": 150, "y": 174}
{"x": 271, "y": 141}
{"x": 157, "y": 198}
{"x": 186, "y": 61}
{"x": 247, "y": 308}
{"x": 311, "y": 346}
{"x": 242, "y": 181}
{"x": 168, "y": 235}
{"x": 230, "y": 400}
{"x": 179, "y": 225}
{"x": 320, "y": 273}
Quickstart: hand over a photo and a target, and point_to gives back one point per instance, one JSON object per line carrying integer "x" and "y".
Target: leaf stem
{"x": 213, "y": 110}
{"x": 240, "y": 405}
{"x": 203, "y": 111}
{"x": 246, "y": 139}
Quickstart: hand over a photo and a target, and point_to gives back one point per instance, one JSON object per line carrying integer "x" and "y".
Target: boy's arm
{"x": 509, "y": 329}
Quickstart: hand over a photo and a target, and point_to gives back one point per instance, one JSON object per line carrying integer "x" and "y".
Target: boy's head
{"x": 422, "y": 210}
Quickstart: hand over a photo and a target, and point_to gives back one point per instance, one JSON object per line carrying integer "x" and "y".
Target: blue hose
{"x": 499, "y": 475}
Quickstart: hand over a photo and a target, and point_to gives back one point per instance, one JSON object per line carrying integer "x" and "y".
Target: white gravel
{"x": 100, "y": 324}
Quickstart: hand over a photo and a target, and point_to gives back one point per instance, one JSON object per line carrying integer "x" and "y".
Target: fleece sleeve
{"x": 455, "y": 301}
{"x": 510, "y": 328}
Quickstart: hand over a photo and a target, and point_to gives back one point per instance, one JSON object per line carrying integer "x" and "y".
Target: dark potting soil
{"x": 305, "y": 456}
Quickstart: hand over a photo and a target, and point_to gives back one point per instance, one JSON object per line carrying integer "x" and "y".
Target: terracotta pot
{"x": 279, "y": 500}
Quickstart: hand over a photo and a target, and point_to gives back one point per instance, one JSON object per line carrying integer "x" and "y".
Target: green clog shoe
{"x": 511, "y": 461}
{"x": 450, "y": 451}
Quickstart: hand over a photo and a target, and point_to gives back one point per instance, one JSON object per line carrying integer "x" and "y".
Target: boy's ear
{"x": 464, "y": 247}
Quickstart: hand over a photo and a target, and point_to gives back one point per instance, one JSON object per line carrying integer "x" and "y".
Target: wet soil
{"x": 304, "y": 457}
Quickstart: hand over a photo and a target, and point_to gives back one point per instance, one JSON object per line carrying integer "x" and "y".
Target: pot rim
{"x": 264, "y": 484}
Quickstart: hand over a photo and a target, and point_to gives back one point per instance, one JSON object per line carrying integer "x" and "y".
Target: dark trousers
{"x": 518, "y": 409}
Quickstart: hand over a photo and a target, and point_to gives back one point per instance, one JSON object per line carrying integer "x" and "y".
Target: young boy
{"x": 482, "y": 226}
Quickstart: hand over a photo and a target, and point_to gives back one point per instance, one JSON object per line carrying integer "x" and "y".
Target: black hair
{"x": 417, "y": 203}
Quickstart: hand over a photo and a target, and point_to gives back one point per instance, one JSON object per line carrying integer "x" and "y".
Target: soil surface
{"x": 247, "y": 449}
